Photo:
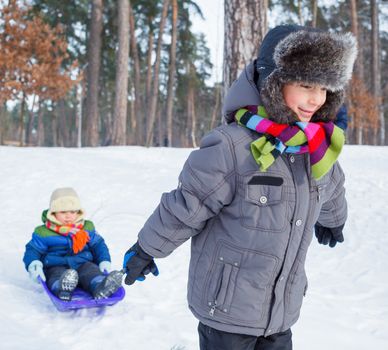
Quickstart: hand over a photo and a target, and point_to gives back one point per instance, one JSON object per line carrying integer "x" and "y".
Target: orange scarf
{"x": 78, "y": 236}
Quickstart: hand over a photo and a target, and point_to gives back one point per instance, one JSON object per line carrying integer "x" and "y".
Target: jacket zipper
{"x": 213, "y": 308}
{"x": 219, "y": 285}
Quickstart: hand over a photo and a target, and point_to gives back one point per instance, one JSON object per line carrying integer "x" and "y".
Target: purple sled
{"x": 82, "y": 299}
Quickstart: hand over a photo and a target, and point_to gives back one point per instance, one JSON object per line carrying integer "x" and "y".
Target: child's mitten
{"x": 35, "y": 269}
{"x": 105, "y": 266}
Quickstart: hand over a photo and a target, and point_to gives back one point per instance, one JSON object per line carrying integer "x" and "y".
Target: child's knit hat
{"x": 291, "y": 53}
{"x": 64, "y": 199}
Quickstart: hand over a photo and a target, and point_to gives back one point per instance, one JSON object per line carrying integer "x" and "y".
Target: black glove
{"x": 328, "y": 235}
{"x": 137, "y": 263}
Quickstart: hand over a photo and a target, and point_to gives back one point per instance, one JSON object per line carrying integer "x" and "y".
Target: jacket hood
{"x": 44, "y": 215}
{"x": 48, "y": 215}
{"x": 243, "y": 92}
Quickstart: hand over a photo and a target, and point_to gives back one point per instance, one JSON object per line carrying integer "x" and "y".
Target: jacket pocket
{"x": 239, "y": 284}
{"x": 266, "y": 204}
{"x": 225, "y": 287}
{"x": 222, "y": 278}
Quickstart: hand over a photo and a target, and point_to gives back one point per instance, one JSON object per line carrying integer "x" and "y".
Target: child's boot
{"x": 105, "y": 286}
{"x": 66, "y": 284}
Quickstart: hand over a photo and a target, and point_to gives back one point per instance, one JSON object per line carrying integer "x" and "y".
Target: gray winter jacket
{"x": 249, "y": 230}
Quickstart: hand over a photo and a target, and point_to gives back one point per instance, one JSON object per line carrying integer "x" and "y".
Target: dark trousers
{"x": 86, "y": 272}
{"x": 212, "y": 339}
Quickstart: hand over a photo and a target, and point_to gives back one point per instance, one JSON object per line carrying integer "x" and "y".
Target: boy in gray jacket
{"x": 250, "y": 196}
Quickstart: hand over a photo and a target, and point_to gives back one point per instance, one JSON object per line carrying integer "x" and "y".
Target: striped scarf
{"x": 323, "y": 141}
{"x": 78, "y": 236}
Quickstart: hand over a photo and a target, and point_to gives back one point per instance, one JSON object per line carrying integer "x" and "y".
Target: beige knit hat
{"x": 64, "y": 199}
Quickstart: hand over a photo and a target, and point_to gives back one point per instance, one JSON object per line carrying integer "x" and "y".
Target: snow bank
{"x": 346, "y": 305}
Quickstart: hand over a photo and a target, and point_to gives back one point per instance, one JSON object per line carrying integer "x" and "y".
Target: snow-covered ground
{"x": 346, "y": 307}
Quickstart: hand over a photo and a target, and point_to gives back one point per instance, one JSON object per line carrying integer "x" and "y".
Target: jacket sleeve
{"x": 98, "y": 247}
{"x": 334, "y": 209}
{"x": 206, "y": 185}
{"x": 35, "y": 249}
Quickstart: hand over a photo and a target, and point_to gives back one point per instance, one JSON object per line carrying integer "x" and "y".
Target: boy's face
{"x": 304, "y": 99}
{"x": 66, "y": 217}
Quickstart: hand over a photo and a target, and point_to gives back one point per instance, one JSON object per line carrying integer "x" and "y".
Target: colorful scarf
{"x": 78, "y": 236}
{"x": 323, "y": 141}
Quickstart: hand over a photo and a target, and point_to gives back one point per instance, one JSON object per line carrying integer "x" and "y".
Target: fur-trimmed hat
{"x": 292, "y": 53}
{"x": 64, "y": 199}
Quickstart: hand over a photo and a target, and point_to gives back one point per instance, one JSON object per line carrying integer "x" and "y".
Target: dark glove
{"x": 328, "y": 235}
{"x": 137, "y": 263}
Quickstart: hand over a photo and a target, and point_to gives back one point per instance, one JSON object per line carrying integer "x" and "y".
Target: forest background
{"x": 119, "y": 72}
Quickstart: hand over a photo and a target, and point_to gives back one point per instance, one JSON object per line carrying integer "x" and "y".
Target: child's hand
{"x": 137, "y": 263}
{"x": 105, "y": 266}
{"x": 327, "y": 235}
{"x": 35, "y": 269}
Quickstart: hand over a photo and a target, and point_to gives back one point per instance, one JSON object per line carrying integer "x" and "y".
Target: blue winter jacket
{"x": 53, "y": 249}
{"x": 341, "y": 119}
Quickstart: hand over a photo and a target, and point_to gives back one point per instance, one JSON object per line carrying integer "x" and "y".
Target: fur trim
{"x": 317, "y": 58}
{"x": 321, "y": 58}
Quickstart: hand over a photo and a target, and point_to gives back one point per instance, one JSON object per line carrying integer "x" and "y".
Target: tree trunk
{"x": 160, "y": 129}
{"x": 3, "y": 114}
{"x": 149, "y": 63}
{"x": 54, "y": 128}
{"x": 30, "y": 122}
{"x": 133, "y": 117}
{"x": 155, "y": 86}
{"x": 80, "y": 97}
{"x": 315, "y": 13}
{"x": 93, "y": 74}
{"x": 132, "y": 138}
{"x": 40, "y": 138}
{"x": 137, "y": 108}
{"x": 191, "y": 116}
{"x": 244, "y": 31}
{"x": 359, "y": 66}
{"x": 63, "y": 125}
{"x": 121, "y": 97}
{"x": 107, "y": 121}
{"x": 300, "y": 13}
{"x": 147, "y": 100}
{"x": 171, "y": 72}
{"x": 187, "y": 132}
{"x": 21, "y": 125}
{"x": 216, "y": 107}
{"x": 193, "y": 128}
{"x": 376, "y": 64}
{"x": 359, "y": 139}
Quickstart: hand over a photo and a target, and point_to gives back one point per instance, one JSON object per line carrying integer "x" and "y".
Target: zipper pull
{"x": 211, "y": 312}
{"x": 319, "y": 193}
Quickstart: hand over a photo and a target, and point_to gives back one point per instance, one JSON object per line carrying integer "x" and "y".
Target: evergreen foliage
{"x": 54, "y": 118}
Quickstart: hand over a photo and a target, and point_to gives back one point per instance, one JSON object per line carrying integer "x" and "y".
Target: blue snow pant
{"x": 86, "y": 272}
{"x": 212, "y": 339}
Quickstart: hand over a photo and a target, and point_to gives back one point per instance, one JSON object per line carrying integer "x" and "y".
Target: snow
{"x": 346, "y": 306}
